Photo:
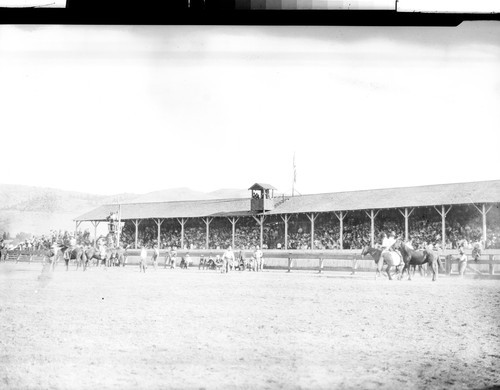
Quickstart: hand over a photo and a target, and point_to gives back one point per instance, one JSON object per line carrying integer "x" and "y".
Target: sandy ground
{"x": 121, "y": 329}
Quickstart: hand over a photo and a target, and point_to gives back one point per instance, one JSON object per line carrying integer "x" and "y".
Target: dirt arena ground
{"x": 190, "y": 329}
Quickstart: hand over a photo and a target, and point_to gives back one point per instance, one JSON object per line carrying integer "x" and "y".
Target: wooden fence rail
{"x": 297, "y": 259}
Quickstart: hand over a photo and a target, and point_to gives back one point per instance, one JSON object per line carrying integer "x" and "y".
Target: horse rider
{"x": 71, "y": 247}
{"x": 387, "y": 243}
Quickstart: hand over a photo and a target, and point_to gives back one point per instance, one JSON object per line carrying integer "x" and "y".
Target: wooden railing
{"x": 24, "y": 255}
{"x": 301, "y": 259}
{"x": 334, "y": 259}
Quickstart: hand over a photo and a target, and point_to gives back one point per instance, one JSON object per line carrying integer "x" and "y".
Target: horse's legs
{"x": 402, "y": 272}
{"x": 380, "y": 264}
{"x": 388, "y": 270}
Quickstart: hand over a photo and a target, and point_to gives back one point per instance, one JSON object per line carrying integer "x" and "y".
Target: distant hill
{"x": 170, "y": 194}
{"x": 183, "y": 193}
{"x": 228, "y": 193}
{"x": 38, "y": 210}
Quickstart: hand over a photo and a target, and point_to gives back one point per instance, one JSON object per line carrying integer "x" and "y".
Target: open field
{"x": 117, "y": 328}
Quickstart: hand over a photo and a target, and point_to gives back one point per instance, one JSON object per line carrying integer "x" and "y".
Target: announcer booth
{"x": 262, "y": 197}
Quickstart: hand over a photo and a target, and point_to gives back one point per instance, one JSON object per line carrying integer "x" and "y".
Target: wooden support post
{"x": 340, "y": 216}
{"x": 260, "y": 221}
{"x": 312, "y": 218}
{"x": 77, "y": 225}
{"x": 262, "y": 233}
{"x": 372, "y": 216}
{"x": 136, "y": 222}
{"x": 483, "y": 211}
{"x": 182, "y": 221}
{"x": 233, "y": 221}
{"x": 159, "y": 222}
{"x": 406, "y": 216}
{"x": 207, "y": 221}
{"x": 285, "y": 219}
{"x": 95, "y": 223}
{"x": 443, "y": 213}
{"x": 118, "y": 227}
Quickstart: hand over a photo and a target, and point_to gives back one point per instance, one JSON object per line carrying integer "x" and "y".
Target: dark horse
{"x": 113, "y": 256}
{"x": 93, "y": 254}
{"x": 389, "y": 258}
{"x": 413, "y": 257}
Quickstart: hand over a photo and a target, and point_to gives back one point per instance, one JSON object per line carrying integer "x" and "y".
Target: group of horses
{"x": 85, "y": 256}
{"x": 404, "y": 256}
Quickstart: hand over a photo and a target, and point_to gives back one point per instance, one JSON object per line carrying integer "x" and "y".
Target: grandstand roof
{"x": 181, "y": 209}
{"x": 432, "y": 195}
{"x": 389, "y": 198}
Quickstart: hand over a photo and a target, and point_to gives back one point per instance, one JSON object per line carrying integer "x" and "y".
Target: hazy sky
{"x": 110, "y": 109}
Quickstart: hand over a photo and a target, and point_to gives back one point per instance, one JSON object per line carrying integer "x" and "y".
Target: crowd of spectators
{"x": 42, "y": 242}
{"x": 356, "y": 233}
{"x": 463, "y": 229}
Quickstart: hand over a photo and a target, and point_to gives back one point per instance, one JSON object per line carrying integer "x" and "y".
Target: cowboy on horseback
{"x": 388, "y": 243}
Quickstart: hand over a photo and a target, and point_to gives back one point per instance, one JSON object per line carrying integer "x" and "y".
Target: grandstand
{"x": 439, "y": 214}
